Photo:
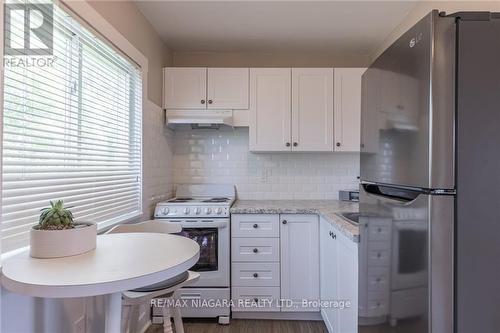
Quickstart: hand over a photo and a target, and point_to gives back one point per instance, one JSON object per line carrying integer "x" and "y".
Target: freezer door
{"x": 405, "y": 260}
{"x": 478, "y": 178}
{"x": 407, "y": 113}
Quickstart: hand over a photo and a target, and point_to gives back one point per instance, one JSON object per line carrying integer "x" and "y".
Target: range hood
{"x": 200, "y": 118}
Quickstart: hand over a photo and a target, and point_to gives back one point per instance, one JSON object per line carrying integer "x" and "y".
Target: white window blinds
{"x": 71, "y": 131}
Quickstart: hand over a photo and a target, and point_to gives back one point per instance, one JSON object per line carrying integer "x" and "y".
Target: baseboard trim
{"x": 316, "y": 316}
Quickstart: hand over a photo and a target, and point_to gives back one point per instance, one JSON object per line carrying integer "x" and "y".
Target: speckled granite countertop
{"x": 327, "y": 209}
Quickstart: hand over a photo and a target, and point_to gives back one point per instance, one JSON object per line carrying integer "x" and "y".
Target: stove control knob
{"x": 208, "y": 211}
{"x": 219, "y": 210}
{"x": 197, "y": 210}
{"x": 186, "y": 210}
{"x": 165, "y": 211}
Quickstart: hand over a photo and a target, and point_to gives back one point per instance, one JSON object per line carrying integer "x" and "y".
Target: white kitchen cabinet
{"x": 338, "y": 279}
{"x": 227, "y": 88}
{"x": 312, "y": 109}
{"x": 270, "y": 109}
{"x": 184, "y": 88}
{"x": 291, "y": 109}
{"x": 205, "y": 88}
{"x": 299, "y": 238}
{"x": 347, "y": 108}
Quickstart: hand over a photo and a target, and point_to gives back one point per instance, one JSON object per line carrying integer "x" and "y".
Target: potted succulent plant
{"x": 57, "y": 235}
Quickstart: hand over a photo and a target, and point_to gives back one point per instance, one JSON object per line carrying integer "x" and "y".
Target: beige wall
{"x": 424, "y": 7}
{"x": 281, "y": 59}
{"x": 129, "y": 21}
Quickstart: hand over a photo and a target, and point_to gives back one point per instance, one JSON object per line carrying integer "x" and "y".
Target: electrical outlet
{"x": 79, "y": 325}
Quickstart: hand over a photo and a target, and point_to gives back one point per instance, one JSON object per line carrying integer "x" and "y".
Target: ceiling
{"x": 341, "y": 27}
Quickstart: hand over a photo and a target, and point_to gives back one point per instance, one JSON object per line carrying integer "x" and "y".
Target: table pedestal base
{"x": 113, "y": 310}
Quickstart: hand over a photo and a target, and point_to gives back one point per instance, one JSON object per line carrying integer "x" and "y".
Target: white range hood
{"x": 200, "y": 118}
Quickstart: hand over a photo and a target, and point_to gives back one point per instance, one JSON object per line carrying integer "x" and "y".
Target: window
{"x": 72, "y": 131}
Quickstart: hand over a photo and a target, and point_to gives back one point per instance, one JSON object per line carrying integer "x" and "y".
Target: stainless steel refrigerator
{"x": 429, "y": 254}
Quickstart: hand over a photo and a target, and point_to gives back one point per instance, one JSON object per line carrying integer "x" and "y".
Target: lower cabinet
{"x": 281, "y": 261}
{"x": 300, "y": 261}
{"x": 275, "y": 271}
{"x": 338, "y": 280}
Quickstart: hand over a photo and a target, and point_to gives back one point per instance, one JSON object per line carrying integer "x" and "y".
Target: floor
{"x": 284, "y": 326}
{"x": 248, "y": 326}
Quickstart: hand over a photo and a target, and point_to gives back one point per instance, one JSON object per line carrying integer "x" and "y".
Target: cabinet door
{"x": 347, "y": 284}
{"x": 270, "y": 109}
{"x": 348, "y": 108}
{"x": 299, "y": 260}
{"x": 184, "y": 88}
{"x": 328, "y": 283}
{"x": 227, "y": 88}
{"x": 312, "y": 109}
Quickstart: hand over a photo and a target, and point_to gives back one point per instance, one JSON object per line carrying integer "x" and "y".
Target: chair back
{"x": 153, "y": 226}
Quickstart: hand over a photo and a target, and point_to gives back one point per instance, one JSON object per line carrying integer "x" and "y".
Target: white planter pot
{"x": 63, "y": 243}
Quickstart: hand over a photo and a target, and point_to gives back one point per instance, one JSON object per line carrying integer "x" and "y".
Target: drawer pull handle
{"x": 255, "y": 275}
{"x": 255, "y": 226}
{"x": 255, "y": 250}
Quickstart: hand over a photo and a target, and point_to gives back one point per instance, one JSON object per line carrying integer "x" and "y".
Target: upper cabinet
{"x": 291, "y": 109}
{"x": 227, "y": 88}
{"x": 347, "y": 108}
{"x": 184, "y": 88}
{"x": 312, "y": 109}
{"x": 205, "y": 88}
{"x": 270, "y": 109}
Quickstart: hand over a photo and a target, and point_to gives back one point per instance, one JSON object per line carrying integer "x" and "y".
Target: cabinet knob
{"x": 255, "y": 250}
{"x": 202, "y": 101}
{"x": 255, "y": 275}
{"x": 210, "y": 101}
{"x": 295, "y": 144}
{"x": 287, "y": 144}
{"x": 338, "y": 144}
{"x": 255, "y": 226}
{"x": 284, "y": 222}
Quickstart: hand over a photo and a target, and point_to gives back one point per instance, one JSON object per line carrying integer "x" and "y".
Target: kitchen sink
{"x": 352, "y": 217}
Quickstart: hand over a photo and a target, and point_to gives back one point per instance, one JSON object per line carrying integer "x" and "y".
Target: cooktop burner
{"x": 216, "y": 200}
{"x": 180, "y": 200}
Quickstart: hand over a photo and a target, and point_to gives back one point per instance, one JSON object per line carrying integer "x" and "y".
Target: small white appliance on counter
{"x": 203, "y": 212}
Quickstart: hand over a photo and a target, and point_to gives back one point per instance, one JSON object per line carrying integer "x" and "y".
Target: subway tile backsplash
{"x": 222, "y": 156}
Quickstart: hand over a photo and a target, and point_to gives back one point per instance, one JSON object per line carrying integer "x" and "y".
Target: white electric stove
{"x": 202, "y": 210}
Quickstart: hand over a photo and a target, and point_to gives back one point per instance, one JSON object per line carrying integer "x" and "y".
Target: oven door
{"x": 213, "y": 237}
{"x": 409, "y": 255}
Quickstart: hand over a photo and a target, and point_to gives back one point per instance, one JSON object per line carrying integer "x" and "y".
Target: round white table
{"x": 120, "y": 262}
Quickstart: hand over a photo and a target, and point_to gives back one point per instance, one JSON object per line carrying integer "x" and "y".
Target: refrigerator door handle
{"x": 403, "y": 195}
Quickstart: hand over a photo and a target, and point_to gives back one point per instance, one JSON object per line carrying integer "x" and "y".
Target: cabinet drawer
{"x": 379, "y": 254}
{"x": 378, "y": 279}
{"x": 255, "y": 249}
{"x": 379, "y": 231}
{"x": 255, "y": 299}
{"x": 378, "y": 304}
{"x": 249, "y": 274}
{"x": 255, "y": 225}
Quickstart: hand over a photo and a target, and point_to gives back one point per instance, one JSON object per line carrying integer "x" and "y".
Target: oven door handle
{"x": 219, "y": 225}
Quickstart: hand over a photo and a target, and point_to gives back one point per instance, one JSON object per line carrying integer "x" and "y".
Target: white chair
{"x": 134, "y": 298}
